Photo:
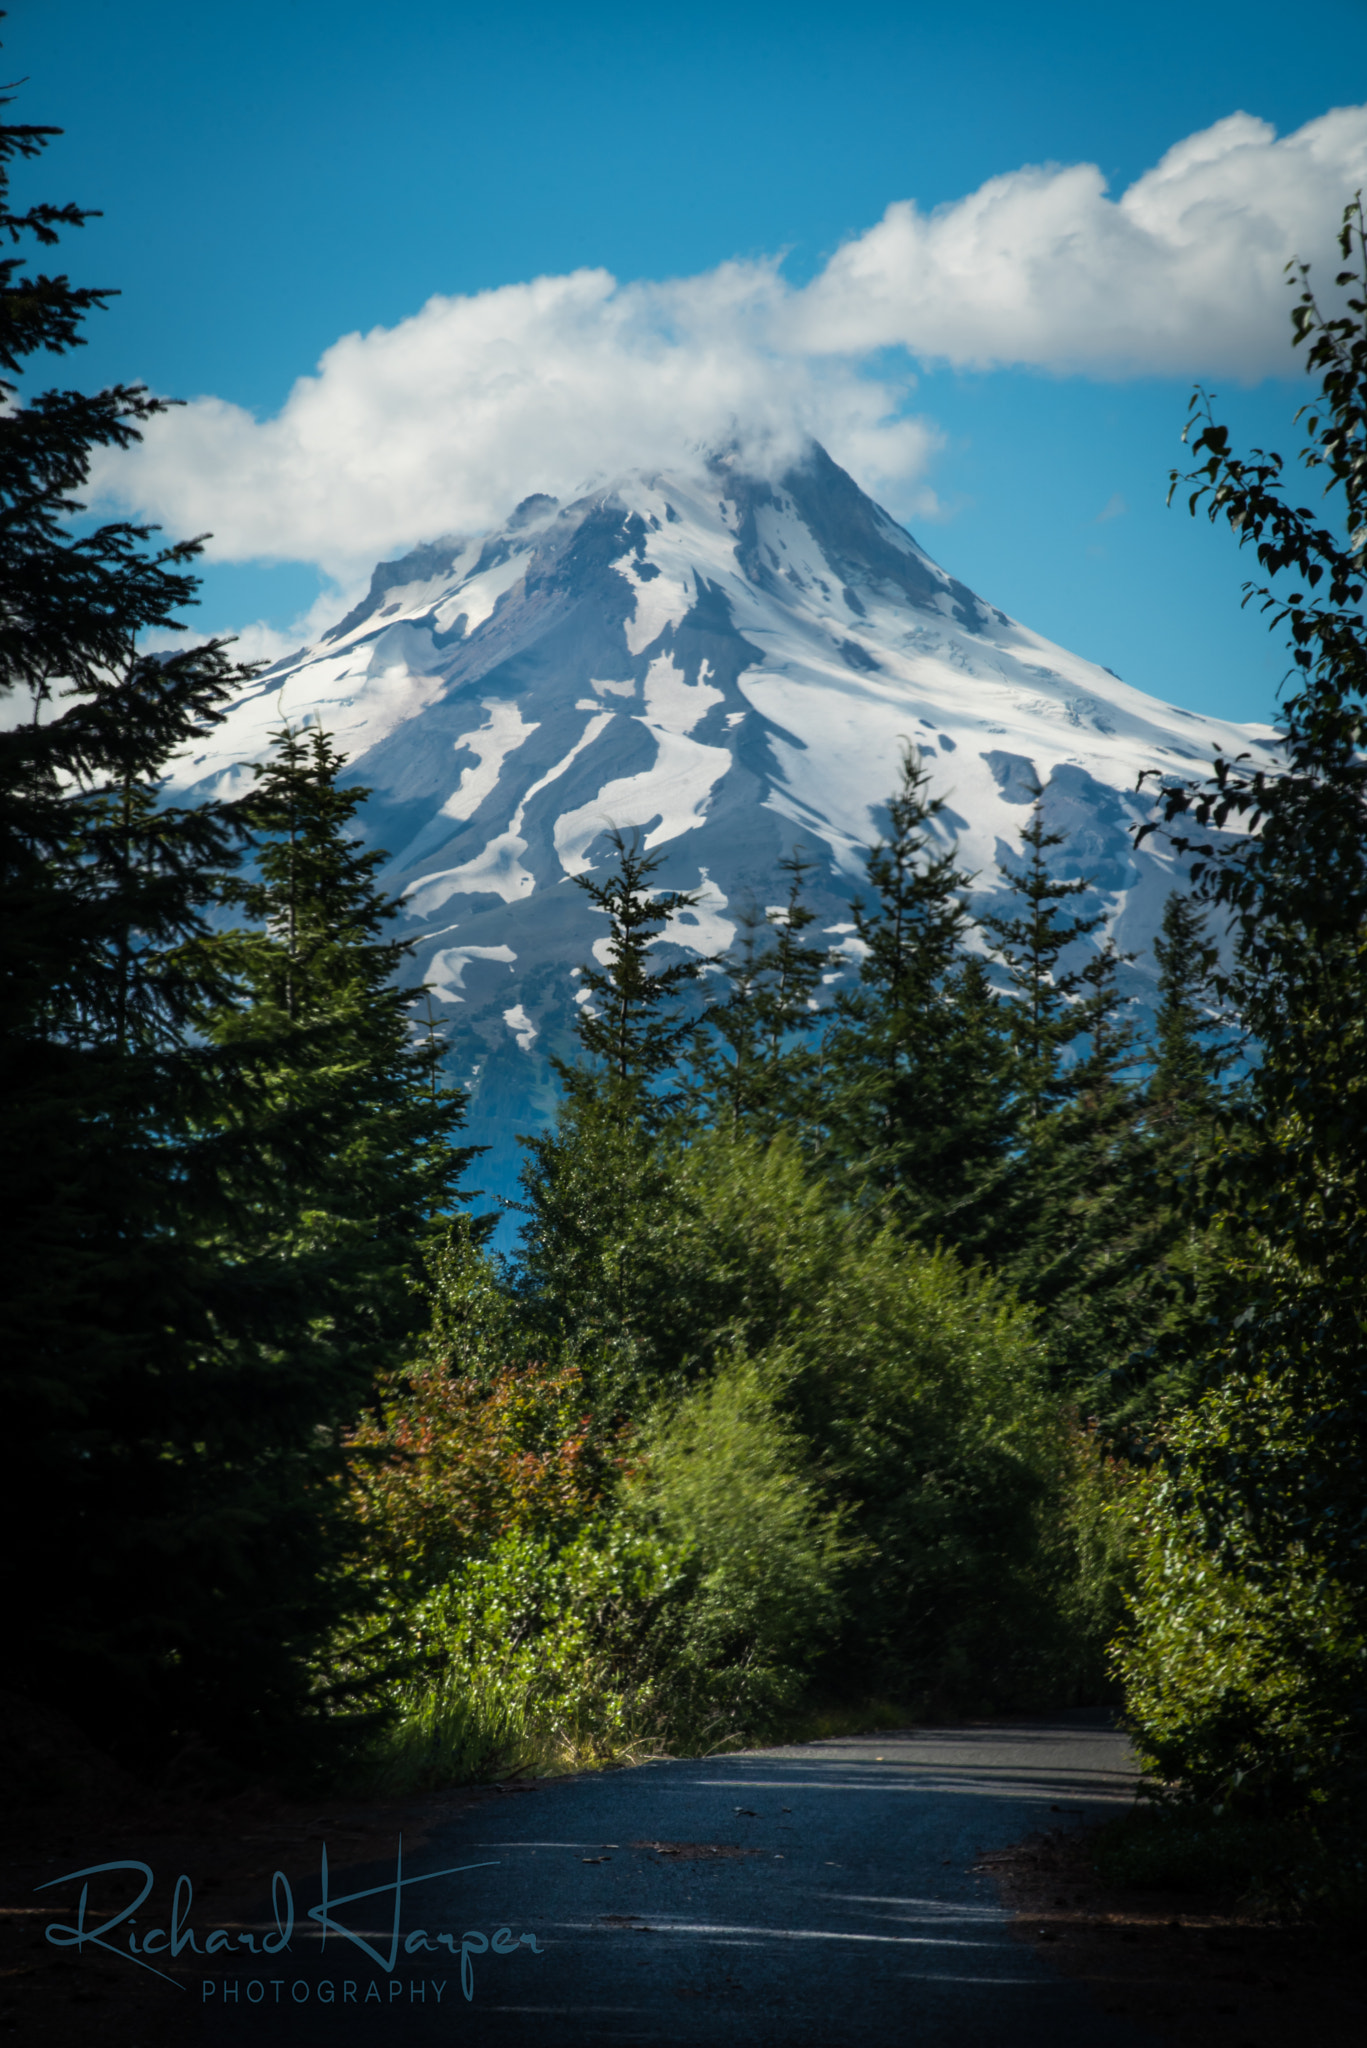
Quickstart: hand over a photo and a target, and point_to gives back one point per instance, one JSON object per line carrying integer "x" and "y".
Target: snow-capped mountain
{"x": 729, "y": 665}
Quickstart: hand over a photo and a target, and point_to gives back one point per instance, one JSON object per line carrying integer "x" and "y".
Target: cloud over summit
{"x": 445, "y": 420}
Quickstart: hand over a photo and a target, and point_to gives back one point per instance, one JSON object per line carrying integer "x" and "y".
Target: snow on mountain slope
{"x": 728, "y": 666}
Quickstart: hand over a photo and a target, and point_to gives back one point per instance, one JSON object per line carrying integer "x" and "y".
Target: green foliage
{"x": 515, "y": 1667}
{"x": 1186, "y": 1105}
{"x": 1070, "y": 1230}
{"x": 218, "y": 1199}
{"x": 1090, "y": 1543}
{"x": 600, "y": 1250}
{"x": 914, "y": 1386}
{"x": 629, "y": 1035}
{"x": 843, "y": 1469}
{"x": 753, "y": 1067}
{"x": 1191, "y": 1036}
{"x": 1049, "y": 1010}
{"x": 1246, "y": 1655}
{"x": 453, "y": 1462}
{"x": 919, "y": 1082}
{"x": 336, "y": 1067}
{"x": 124, "y": 1141}
{"x": 726, "y": 1485}
{"x": 1245, "y": 1670}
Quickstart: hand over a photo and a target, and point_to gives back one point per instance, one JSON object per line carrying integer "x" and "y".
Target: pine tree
{"x": 169, "y": 1542}
{"x": 1183, "y": 1253}
{"x": 916, "y": 1063}
{"x": 599, "y": 1186}
{"x": 1097, "y": 1266}
{"x": 104, "y": 890}
{"x": 1078, "y": 1250}
{"x": 339, "y": 1057}
{"x": 630, "y": 1035}
{"x": 1049, "y": 1009}
{"x": 1190, "y": 1038}
{"x": 753, "y": 1066}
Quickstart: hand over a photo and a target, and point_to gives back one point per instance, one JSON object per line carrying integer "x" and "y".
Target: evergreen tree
{"x": 178, "y": 1408}
{"x": 1080, "y": 1249}
{"x": 1185, "y": 1251}
{"x": 1190, "y": 1037}
{"x": 338, "y": 1056}
{"x": 1050, "y": 1007}
{"x": 1098, "y": 1263}
{"x": 600, "y": 1185}
{"x": 916, "y": 1064}
{"x": 753, "y": 1065}
{"x": 629, "y": 1033}
{"x": 103, "y": 896}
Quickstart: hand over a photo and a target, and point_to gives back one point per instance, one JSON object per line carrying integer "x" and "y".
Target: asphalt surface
{"x": 854, "y": 1914}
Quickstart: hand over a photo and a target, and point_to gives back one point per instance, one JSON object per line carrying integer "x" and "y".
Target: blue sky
{"x": 275, "y": 177}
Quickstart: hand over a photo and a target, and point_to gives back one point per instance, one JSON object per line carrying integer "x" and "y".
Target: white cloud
{"x": 1183, "y": 275}
{"x": 444, "y": 421}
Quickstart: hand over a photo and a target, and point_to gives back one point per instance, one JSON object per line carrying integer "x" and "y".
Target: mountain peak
{"x": 726, "y": 663}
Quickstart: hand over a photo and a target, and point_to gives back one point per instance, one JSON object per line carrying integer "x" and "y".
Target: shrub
{"x": 725, "y": 1484}
{"x": 917, "y": 1393}
{"x": 453, "y": 1463}
{"x": 1244, "y": 1672}
{"x": 518, "y": 1661}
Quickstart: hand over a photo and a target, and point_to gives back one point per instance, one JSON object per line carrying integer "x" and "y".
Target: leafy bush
{"x": 1091, "y": 1548}
{"x": 519, "y": 1661}
{"x": 453, "y": 1463}
{"x": 525, "y": 1622}
{"x": 914, "y": 1388}
{"x": 851, "y": 1473}
{"x": 1245, "y": 1671}
{"x": 725, "y": 1484}
{"x": 918, "y": 1390}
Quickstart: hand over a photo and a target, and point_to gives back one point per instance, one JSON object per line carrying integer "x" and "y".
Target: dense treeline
{"x": 911, "y": 1332}
{"x": 220, "y": 1151}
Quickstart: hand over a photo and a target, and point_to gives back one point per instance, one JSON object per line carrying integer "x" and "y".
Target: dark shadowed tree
{"x": 1260, "y": 1529}
{"x": 917, "y": 1063}
{"x": 599, "y": 1186}
{"x": 160, "y": 1367}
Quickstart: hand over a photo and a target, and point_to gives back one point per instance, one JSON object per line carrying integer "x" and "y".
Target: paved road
{"x": 854, "y": 1916}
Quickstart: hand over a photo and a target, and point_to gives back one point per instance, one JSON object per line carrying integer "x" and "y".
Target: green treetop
{"x": 629, "y": 1029}
{"x": 1050, "y": 1008}
{"x": 1189, "y": 1034}
{"x": 341, "y": 1053}
{"x": 753, "y": 1065}
{"x": 918, "y": 1104}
